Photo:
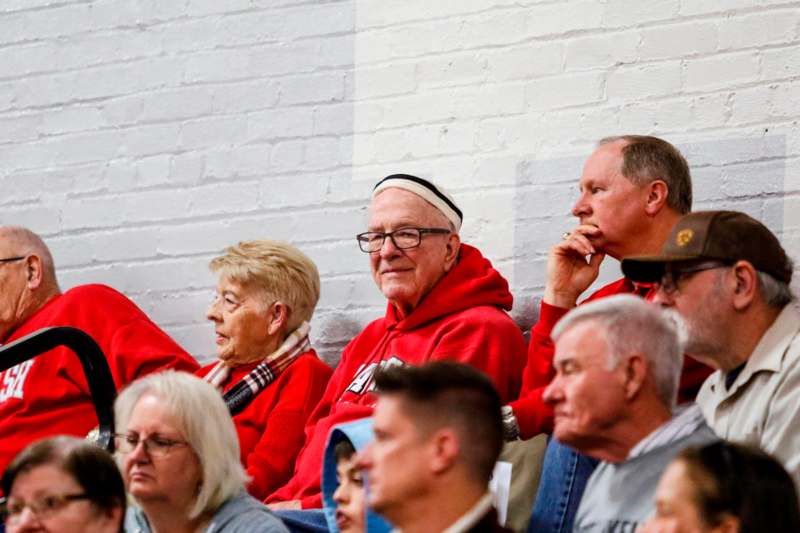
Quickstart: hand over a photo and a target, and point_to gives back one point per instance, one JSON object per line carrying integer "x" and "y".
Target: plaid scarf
{"x": 267, "y": 371}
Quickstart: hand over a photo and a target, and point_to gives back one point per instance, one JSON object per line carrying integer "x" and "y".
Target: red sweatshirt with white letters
{"x": 463, "y": 318}
{"x": 48, "y": 395}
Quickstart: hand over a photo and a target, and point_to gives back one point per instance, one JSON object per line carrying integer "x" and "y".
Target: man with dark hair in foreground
{"x": 438, "y": 434}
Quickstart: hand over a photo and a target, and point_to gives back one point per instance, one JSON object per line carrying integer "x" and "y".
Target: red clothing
{"x": 461, "y": 319}
{"x": 48, "y": 395}
{"x": 271, "y": 427}
{"x": 533, "y": 415}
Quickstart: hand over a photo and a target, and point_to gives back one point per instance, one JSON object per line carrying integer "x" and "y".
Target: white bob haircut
{"x": 632, "y": 325}
{"x": 204, "y": 421}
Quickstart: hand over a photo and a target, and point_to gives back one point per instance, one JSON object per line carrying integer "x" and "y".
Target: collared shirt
{"x": 468, "y": 519}
{"x": 762, "y": 405}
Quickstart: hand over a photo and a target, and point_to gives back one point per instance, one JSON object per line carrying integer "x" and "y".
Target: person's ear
{"x": 278, "y": 316}
{"x": 657, "y": 193}
{"x": 453, "y": 247}
{"x": 444, "y": 449}
{"x": 34, "y": 271}
{"x": 635, "y": 374}
{"x": 745, "y": 284}
{"x": 115, "y": 516}
{"x": 728, "y": 524}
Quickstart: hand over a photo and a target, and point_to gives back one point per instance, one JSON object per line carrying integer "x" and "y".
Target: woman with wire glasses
{"x": 63, "y": 485}
{"x": 179, "y": 455}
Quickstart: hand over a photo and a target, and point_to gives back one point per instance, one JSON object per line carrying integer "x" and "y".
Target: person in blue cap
{"x": 343, "y": 485}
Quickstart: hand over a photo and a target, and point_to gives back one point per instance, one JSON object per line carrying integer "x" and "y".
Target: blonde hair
{"x": 204, "y": 421}
{"x": 278, "y": 270}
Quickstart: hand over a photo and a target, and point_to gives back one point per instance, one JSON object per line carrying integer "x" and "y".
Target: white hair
{"x": 633, "y": 325}
{"x": 204, "y": 421}
{"x": 776, "y": 294}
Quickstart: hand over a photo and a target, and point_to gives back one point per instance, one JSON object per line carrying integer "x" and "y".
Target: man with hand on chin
{"x": 632, "y": 192}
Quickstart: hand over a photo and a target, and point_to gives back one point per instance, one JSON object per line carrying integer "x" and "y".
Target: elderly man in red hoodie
{"x": 49, "y": 395}
{"x": 445, "y": 301}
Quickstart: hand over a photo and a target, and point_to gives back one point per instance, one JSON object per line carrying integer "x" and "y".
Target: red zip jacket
{"x": 461, "y": 319}
{"x": 48, "y": 395}
{"x": 533, "y": 415}
{"x": 271, "y": 427}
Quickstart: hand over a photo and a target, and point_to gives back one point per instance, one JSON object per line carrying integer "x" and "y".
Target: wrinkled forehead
{"x": 393, "y": 207}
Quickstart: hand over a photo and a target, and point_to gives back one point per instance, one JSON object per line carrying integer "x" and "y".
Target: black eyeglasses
{"x": 669, "y": 281}
{"x": 154, "y": 445}
{"x": 403, "y": 238}
{"x": 10, "y": 259}
{"x": 42, "y": 507}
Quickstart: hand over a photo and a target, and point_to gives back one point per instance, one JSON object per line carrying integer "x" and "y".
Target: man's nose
{"x": 581, "y": 206}
{"x": 663, "y": 298}
{"x": 364, "y": 458}
{"x": 388, "y": 248}
{"x": 552, "y": 394}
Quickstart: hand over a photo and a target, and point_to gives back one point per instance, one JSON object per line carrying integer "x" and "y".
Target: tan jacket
{"x": 762, "y": 407}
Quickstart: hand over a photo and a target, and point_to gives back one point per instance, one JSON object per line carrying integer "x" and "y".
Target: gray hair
{"x": 646, "y": 159}
{"x": 775, "y": 293}
{"x": 633, "y": 325}
{"x": 204, "y": 421}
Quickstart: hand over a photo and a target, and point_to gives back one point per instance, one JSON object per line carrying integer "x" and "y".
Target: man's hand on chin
{"x": 569, "y": 272}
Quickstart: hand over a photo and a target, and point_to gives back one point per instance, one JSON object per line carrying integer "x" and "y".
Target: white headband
{"x": 427, "y": 191}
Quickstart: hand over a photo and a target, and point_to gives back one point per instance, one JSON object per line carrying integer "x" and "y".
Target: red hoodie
{"x": 48, "y": 395}
{"x": 533, "y": 415}
{"x": 271, "y": 427}
{"x": 461, "y": 319}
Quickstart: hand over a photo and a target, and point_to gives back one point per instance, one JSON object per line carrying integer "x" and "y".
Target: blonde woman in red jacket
{"x": 267, "y": 371}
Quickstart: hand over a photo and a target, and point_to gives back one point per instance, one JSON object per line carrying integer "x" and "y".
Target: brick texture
{"x": 140, "y": 138}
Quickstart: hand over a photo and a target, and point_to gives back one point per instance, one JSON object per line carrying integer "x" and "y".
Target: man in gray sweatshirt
{"x": 618, "y": 363}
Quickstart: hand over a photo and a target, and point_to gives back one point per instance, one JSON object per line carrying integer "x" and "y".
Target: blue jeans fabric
{"x": 564, "y": 476}
{"x": 305, "y": 521}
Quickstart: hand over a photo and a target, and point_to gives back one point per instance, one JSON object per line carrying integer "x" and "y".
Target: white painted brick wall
{"x": 141, "y": 138}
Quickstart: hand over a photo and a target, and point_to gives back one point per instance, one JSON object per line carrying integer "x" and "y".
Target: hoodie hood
{"x": 359, "y": 432}
{"x": 472, "y": 282}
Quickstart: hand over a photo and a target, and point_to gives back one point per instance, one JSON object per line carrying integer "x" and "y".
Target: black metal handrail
{"x": 94, "y": 363}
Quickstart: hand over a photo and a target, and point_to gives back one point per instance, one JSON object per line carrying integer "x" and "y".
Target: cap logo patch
{"x": 684, "y": 237}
